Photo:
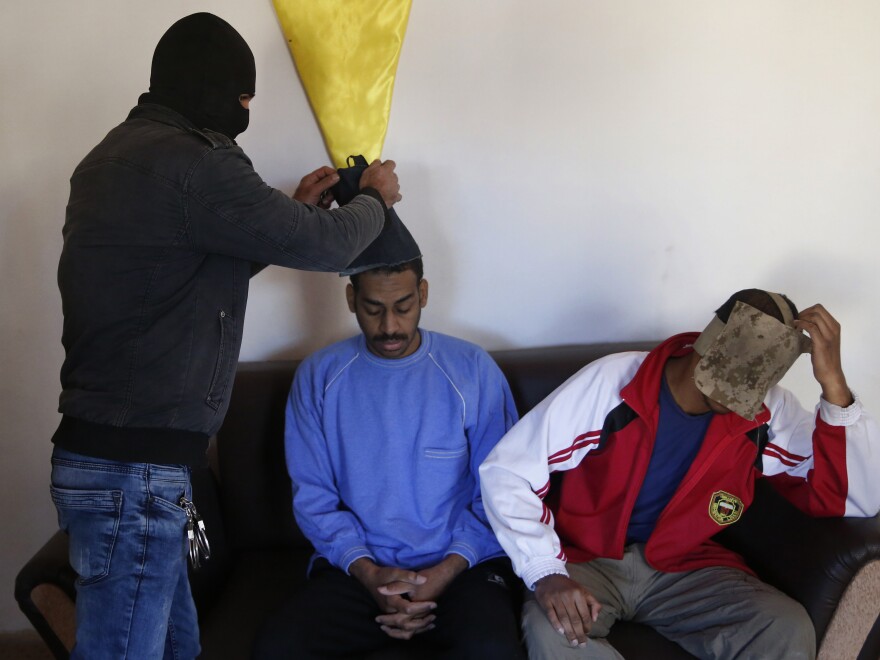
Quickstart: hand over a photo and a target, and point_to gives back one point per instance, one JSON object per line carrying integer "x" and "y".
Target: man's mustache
{"x": 384, "y": 338}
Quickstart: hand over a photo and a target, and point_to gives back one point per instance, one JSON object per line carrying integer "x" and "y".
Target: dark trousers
{"x": 332, "y": 616}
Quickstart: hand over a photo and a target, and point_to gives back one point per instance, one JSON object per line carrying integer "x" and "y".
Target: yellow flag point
{"x": 346, "y": 52}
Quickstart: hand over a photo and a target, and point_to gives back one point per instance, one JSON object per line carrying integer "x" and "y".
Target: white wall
{"x": 573, "y": 170}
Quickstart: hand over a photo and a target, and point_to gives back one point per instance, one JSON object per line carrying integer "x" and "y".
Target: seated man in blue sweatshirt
{"x": 385, "y": 433}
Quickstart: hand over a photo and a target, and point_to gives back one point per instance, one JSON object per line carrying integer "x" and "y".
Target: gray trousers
{"x": 714, "y": 612}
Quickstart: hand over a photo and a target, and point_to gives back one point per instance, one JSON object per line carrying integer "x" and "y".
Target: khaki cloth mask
{"x": 742, "y": 359}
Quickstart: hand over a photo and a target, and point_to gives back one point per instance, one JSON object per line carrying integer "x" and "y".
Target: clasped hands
{"x": 406, "y": 598}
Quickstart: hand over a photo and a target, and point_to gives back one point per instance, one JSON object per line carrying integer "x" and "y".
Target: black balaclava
{"x": 200, "y": 68}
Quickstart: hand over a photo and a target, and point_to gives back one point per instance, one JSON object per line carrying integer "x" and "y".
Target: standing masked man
{"x": 166, "y": 223}
{"x": 658, "y": 452}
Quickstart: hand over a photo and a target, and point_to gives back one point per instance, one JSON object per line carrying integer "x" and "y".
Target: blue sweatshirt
{"x": 383, "y": 453}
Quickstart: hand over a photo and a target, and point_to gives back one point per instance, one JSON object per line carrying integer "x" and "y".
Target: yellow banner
{"x": 346, "y": 53}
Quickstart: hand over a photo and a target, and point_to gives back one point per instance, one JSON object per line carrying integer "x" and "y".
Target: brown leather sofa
{"x": 832, "y": 566}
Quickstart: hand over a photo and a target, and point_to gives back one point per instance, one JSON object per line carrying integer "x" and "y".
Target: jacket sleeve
{"x": 554, "y": 436}
{"x": 230, "y": 210}
{"x": 826, "y": 462}
{"x": 495, "y": 414}
{"x": 333, "y": 530}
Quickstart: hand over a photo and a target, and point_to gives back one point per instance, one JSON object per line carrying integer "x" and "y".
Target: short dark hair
{"x": 757, "y": 298}
{"x": 414, "y": 265}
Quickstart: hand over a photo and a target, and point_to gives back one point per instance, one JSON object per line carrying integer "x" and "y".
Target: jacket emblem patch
{"x": 725, "y": 508}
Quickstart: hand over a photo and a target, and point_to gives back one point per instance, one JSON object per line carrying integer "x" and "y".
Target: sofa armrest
{"x": 46, "y": 593}
{"x": 830, "y": 565}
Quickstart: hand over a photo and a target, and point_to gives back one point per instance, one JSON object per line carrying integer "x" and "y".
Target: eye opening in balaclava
{"x": 201, "y": 66}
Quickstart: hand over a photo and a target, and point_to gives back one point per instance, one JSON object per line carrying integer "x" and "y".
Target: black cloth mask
{"x": 200, "y": 68}
{"x": 394, "y": 245}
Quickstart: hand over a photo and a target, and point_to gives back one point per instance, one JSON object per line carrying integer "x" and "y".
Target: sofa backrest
{"x": 254, "y": 485}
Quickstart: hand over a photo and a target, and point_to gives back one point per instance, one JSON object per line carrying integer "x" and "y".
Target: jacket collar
{"x": 643, "y": 391}
{"x": 162, "y": 114}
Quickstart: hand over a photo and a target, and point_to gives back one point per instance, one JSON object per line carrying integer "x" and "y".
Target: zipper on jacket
{"x": 688, "y": 484}
{"x": 220, "y": 377}
{"x": 691, "y": 480}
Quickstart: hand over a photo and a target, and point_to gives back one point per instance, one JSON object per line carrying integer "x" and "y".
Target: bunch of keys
{"x": 199, "y": 548}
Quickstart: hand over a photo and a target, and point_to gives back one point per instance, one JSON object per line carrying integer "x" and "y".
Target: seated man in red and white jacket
{"x": 661, "y": 451}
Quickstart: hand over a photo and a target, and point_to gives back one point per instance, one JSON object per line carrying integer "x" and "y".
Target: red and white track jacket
{"x": 600, "y": 426}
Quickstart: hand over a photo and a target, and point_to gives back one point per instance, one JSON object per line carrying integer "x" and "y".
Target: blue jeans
{"x": 128, "y": 547}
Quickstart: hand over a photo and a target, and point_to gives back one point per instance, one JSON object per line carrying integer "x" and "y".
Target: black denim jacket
{"x": 164, "y": 228}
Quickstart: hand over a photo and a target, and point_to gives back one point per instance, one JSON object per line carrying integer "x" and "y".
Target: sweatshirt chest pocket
{"x": 454, "y": 459}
